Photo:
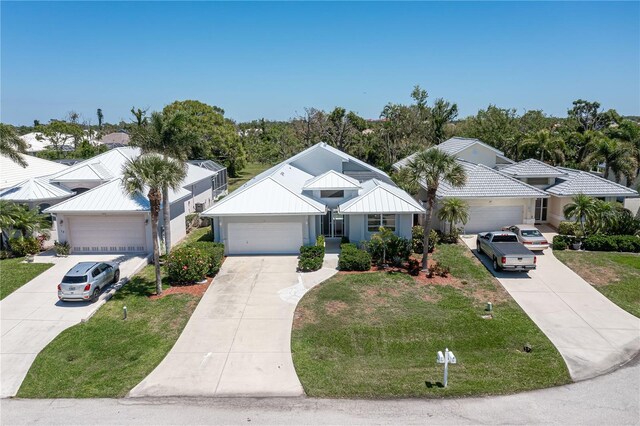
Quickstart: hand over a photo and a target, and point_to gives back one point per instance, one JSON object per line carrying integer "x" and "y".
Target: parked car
{"x": 529, "y": 236}
{"x": 505, "y": 251}
{"x": 86, "y": 280}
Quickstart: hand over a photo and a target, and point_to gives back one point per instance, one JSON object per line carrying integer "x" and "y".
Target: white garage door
{"x": 107, "y": 234}
{"x": 264, "y": 238}
{"x": 482, "y": 219}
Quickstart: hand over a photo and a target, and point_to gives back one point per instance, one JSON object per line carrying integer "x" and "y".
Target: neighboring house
{"x": 219, "y": 179}
{"x": 12, "y": 174}
{"x": 320, "y": 191}
{"x": 37, "y": 142}
{"x": 115, "y": 140}
{"x": 501, "y": 192}
{"x": 97, "y": 216}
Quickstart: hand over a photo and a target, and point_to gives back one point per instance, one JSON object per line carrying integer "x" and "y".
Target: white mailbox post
{"x": 446, "y": 359}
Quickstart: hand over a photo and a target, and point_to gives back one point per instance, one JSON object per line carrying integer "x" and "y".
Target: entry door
{"x": 541, "y": 209}
{"x": 338, "y": 225}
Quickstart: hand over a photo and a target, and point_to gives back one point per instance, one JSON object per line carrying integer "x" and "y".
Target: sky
{"x": 271, "y": 60}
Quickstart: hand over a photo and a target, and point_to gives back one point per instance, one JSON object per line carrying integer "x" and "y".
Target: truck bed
{"x": 511, "y": 249}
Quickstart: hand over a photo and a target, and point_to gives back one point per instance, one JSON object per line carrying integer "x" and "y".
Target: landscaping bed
{"x": 14, "y": 274}
{"x": 615, "y": 275}
{"x": 376, "y": 334}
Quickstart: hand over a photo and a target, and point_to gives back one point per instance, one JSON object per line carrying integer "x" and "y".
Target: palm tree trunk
{"x": 431, "y": 198}
{"x": 166, "y": 213}
{"x": 156, "y": 245}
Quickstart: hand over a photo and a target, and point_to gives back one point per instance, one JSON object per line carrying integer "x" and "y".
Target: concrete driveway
{"x": 32, "y": 316}
{"x": 238, "y": 340}
{"x": 593, "y": 335}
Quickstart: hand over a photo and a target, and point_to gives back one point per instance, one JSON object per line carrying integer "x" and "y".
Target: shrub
{"x": 212, "y": 252}
{"x": 628, "y": 243}
{"x": 24, "y": 246}
{"x": 320, "y": 240}
{"x": 353, "y": 259}
{"x": 413, "y": 267}
{"x": 568, "y": 228}
{"x": 417, "y": 240}
{"x": 348, "y": 246}
{"x": 600, "y": 243}
{"x": 187, "y": 265}
{"x": 450, "y": 238}
{"x": 5, "y": 254}
{"x": 311, "y": 258}
{"x": 344, "y": 240}
{"x": 385, "y": 246}
{"x": 62, "y": 249}
{"x": 559, "y": 243}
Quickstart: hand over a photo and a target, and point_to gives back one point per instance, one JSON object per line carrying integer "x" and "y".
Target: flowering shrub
{"x": 187, "y": 265}
{"x": 213, "y": 252}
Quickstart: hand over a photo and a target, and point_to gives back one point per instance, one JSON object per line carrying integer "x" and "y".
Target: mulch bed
{"x": 193, "y": 289}
{"x": 420, "y": 279}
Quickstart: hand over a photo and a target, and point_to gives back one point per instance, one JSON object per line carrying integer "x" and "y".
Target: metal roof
{"x": 208, "y": 164}
{"x": 331, "y": 180}
{"x": 380, "y": 197}
{"x": 34, "y": 189}
{"x": 110, "y": 161}
{"x": 580, "y": 182}
{"x": 532, "y": 168}
{"x": 12, "y": 173}
{"x": 85, "y": 172}
{"x": 485, "y": 182}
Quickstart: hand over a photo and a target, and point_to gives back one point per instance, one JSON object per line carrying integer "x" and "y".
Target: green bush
{"x": 24, "y": 246}
{"x": 353, "y": 259}
{"x": 625, "y": 243}
{"x": 320, "y": 240}
{"x": 386, "y": 246}
{"x": 187, "y": 265}
{"x": 62, "y": 249}
{"x": 417, "y": 240}
{"x": 344, "y": 240}
{"x": 311, "y": 258}
{"x": 560, "y": 242}
{"x": 568, "y": 228}
{"x": 348, "y": 246}
{"x": 213, "y": 252}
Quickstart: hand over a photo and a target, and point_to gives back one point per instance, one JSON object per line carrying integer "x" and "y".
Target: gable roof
{"x": 581, "y": 182}
{"x": 84, "y": 172}
{"x": 331, "y": 180}
{"x": 112, "y": 161}
{"x": 380, "y": 197}
{"x": 532, "y": 168}
{"x": 34, "y": 189}
{"x": 12, "y": 173}
{"x": 485, "y": 182}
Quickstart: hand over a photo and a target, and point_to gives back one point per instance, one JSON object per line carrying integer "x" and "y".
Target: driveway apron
{"x": 32, "y": 316}
{"x": 593, "y": 335}
{"x": 238, "y": 340}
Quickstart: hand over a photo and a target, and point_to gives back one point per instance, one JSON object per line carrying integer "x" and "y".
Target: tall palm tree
{"x": 169, "y": 136}
{"x": 454, "y": 210}
{"x": 12, "y": 145}
{"x": 545, "y": 144}
{"x": 581, "y": 208}
{"x": 603, "y": 217}
{"x": 429, "y": 168}
{"x": 151, "y": 173}
{"x": 618, "y": 157}
{"x": 442, "y": 113}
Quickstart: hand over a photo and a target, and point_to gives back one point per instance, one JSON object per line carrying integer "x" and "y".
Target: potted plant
{"x": 62, "y": 249}
{"x": 576, "y": 244}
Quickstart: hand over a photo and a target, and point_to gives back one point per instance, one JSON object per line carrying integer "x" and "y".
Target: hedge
{"x": 187, "y": 265}
{"x": 24, "y": 246}
{"x": 624, "y": 243}
{"x": 311, "y": 258}
{"x": 568, "y": 228}
{"x": 353, "y": 259}
{"x": 213, "y": 252}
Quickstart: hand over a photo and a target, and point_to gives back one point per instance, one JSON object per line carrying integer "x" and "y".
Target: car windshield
{"x": 531, "y": 233}
{"x": 74, "y": 279}
{"x": 505, "y": 239}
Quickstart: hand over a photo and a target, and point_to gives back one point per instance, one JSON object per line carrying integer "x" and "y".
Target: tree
{"x": 12, "y": 145}
{"x": 628, "y": 131}
{"x": 581, "y": 207}
{"x": 140, "y": 116}
{"x": 429, "y": 168}
{"x": 495, "y": 126}
{"x": 454, "y": 210}
{"x": 100, "y": 118}
{"x": 151, "y": 172}
{"x": 343, "y": 129}
{"x": 543, "y": 143}
{"x": 586, "y": 115}
{"x": 618, "y": 157}
{"x": 442, "y": 113}
{"x": 60, "y": 133}
{"x": 602, "y": 217}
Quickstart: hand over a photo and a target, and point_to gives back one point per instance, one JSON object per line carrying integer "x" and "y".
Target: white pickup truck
{"x": 506, "y": 252}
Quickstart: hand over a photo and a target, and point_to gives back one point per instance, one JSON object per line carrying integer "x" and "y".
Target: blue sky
{"x": 274, "y": 59}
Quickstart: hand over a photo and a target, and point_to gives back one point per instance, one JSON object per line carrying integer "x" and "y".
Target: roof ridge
{"x": 300, "y": 196}
{"x": 352, "y": 201}
{"x": 513, "y": 179}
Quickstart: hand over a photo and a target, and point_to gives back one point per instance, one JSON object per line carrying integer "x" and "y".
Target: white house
{"x": 501, "y": 192}
{"x": 12, "y": 173}
{"x": 320, "y": 191}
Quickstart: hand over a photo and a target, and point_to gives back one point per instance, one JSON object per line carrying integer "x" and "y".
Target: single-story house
{"x": 93, "y": 213}
{"x": 501, "y": 192}
{"x": 12, "y": 173}
{"x": 115, "y": 140}
{"x": 320, "y": 191}
{"x": 220, "y": 178}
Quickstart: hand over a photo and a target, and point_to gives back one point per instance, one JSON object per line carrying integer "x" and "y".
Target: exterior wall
{"x": 319, "y": 162}
{"x": 549, "y": 182}
{"x": 478, "y": 154}
{"x": 178, "y": 222}
{"x": 555, "y": 213}
{"x": 633, "y": 204}
{"x": 358, "y": 227}
{"x": 201, "y": 192}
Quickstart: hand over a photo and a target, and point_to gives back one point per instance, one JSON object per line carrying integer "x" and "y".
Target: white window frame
{"x": 379, "y": 218}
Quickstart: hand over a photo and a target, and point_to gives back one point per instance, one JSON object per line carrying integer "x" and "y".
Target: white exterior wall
{"x": 178, "y": 216}
{"x": 201, "y": 192}
{"x": 633, "y": 204}
{"x": 358, "y": 227}
{"x": 478, "y": 154}
{"x": 528, "y": 207}
{"x": 555, "y": 210}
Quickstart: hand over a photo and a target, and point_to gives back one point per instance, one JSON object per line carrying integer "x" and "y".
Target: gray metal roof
{"x": 34, "y": 189}
{"x": 532, "y": 168}
{"x": 12, "y": 173}
{"x": 485, "y": 182}
{"x": 331, "y": 180}
{"x": 380, "y": 197}
{"x": 580, "y": 182}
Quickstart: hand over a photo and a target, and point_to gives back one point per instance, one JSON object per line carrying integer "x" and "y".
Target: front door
{"x": 541, "y": 209}
{"x": 333, "y": 225}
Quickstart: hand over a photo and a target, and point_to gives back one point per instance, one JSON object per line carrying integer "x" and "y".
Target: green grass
{"x": 14, "y": 274}
{"x": 375, "y": 335}
{"x": 251, "y": 170}
{"x": 616, "y": 275}
{"x": 199, "y": 234}
{"x": 107, "y": 356}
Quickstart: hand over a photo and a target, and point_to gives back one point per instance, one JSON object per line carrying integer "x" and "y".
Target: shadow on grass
{"x": 431, "y": 385}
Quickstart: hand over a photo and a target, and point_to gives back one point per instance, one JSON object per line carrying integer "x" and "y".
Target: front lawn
{"x": 14, "y": 274}
{"x": 616, "y": 275}
{"x": 375, "y": 335}
{"x": 107, "y": 356}
{"x": 246, "y": 174}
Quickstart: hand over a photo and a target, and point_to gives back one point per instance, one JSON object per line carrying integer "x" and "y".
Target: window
{"x": 538, "y": 181}
{"x": 375, "y": 221}
{"x": 332, "y": 193}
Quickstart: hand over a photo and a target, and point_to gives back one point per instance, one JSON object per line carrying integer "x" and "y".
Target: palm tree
{"x": 429, "y": 168}
{"x": 546, "y": 144}
{"x": 454, "y": 210}
{"x": 581, "y": 207}
{"x": 618, "y": 157}
{"x": 603, "y": 217}
{"x": 442, "y": 113}
{"x": 17, "y": 217}
{"x": 12, "y": 145}
{"x": 151, "y": 172}
{"x": 169, "y": 136}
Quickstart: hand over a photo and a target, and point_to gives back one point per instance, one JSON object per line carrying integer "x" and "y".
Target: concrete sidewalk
{"x": 593, "y": 335}
{"x": 32, "y": 316}
{"x": 238, "y": 340}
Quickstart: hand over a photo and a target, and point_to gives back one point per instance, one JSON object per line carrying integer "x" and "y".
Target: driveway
{"x": 593, "y": 335}
{"x": 32, "y": 316}
{"x": 238, "y": 340}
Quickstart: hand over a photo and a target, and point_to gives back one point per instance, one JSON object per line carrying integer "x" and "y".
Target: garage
{"x": 107, "y": 234}
{"x": 264, "y": 237}
{"x": 492, "y": 218}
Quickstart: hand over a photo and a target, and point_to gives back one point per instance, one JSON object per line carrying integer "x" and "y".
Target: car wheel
{"x": 496, "y": 267}
{"x": 116, "y": 277}
{"x": 95, "y": 295}
{"x": 479, "y": 248}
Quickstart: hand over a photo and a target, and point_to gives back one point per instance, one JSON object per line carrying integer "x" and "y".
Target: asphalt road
{"x": 608, "y": 399}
